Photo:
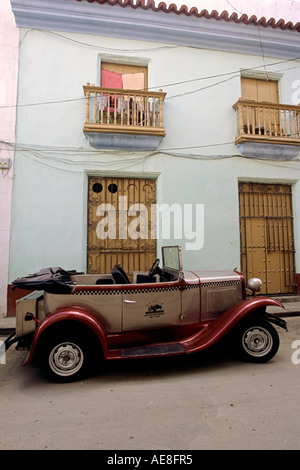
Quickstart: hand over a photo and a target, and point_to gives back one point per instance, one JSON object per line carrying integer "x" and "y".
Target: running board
{"x": 154, "y": 350}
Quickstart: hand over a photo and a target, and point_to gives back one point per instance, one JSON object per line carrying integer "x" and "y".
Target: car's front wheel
{"x": 256, "y": 340}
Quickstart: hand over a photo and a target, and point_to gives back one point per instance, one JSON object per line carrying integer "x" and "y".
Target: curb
{"x": 7, "y": 325}
{"x": 6, "y": 331}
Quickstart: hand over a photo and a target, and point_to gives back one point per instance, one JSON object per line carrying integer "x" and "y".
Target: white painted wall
{"x": 197, "y": 162}
{"x": 8, "y": 90}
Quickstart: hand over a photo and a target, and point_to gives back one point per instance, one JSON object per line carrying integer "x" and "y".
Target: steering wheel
{"x": 154, "y": 268}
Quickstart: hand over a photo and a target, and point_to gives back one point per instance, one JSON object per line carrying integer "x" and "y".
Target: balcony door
{"x": 260, "y": 90}
{"x": 260, "y": 120}
{"x": 119, "y": 224}
{"x": 129, "y": 109}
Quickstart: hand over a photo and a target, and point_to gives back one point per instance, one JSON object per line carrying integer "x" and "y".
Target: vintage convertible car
{"x": 72, "y": 320}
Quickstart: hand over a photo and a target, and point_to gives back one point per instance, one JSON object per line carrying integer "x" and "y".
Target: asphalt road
{"x": 203, "y": 401}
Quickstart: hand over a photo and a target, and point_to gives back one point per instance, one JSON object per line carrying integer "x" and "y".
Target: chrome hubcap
{"x": 257, "y": 341}
{"x": 66, "y": 359}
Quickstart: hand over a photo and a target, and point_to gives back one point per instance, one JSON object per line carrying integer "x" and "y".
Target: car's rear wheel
{"x": 257, "y": 340}
{"x": 68, "y": 356}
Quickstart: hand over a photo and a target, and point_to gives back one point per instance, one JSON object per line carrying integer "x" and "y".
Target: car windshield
{"x": 172, "y": 257}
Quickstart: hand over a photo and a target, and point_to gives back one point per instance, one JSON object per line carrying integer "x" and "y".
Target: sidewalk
{"x": 7, "y": 325}
{"x": 291, "y": 304}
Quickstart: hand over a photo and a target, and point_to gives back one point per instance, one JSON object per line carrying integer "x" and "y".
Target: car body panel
{"x": 104, "y": 301}
{"x": 215, "y": 330}
{"x": 70, "y": 313}
{"x": 184, "y": 312}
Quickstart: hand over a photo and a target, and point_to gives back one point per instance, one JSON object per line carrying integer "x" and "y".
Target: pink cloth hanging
{"x": 111, "y": 79}
{"x": 133, "y": 81}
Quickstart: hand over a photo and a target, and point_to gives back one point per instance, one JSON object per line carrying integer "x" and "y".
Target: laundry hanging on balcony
{"x": 111, "y": 103}
{"x": 133, "y": 81}
{"x": 111, "y": 79}
{"x": 128, "y": 81}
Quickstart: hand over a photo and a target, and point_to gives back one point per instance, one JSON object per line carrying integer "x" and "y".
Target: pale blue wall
{"x": 53, "y": 158}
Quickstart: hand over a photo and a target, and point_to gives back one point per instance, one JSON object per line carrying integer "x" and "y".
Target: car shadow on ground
{"x": 211, "y": 360}
{"x": 216, "y": 359}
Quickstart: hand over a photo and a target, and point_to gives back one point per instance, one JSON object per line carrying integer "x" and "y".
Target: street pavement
{"x": 177, "y": 405}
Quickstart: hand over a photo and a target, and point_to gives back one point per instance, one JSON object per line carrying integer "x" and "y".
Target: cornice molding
{"x": 121, "y": 19}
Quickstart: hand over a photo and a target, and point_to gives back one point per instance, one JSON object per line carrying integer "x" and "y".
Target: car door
{"x": 146, "y": 306}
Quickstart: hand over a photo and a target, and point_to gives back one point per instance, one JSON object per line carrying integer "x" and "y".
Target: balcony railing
{"x": 112, "y": 110}
{"x": 267, "y": 122}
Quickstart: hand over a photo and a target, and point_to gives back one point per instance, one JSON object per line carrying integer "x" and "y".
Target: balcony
{"x": 123, "y": 119}
{"x": 267, "y": 129}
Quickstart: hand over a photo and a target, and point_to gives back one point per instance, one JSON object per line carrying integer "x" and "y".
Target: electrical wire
{"x": 170, "y": 47}
{"x": 259, "y": 37}
{"x": 230, "y": 4}
{"x": 42, "y": 152}
{"x": 231, "y": 74}
{"x": 109, "y": 49}
{"x": 66, "y": 150}
{"x": 203, "y": 88}
{"x": 92, "y": 166}
{"x": 39, "y": 151}
{"x": 146, "y": 50}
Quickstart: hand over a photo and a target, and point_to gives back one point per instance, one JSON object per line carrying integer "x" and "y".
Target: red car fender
{"x": 79, "y": 314}
{"x": 214, "y": 330}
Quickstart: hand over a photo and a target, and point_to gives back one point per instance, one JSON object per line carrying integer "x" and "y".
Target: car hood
{"x": 216, "y": 276}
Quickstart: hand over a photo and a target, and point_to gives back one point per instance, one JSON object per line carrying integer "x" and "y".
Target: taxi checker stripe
{"x": 161, "y": 289}
{"x": 221, "y": 283}
{"x": 131, "y": 291}
{"x": 96, "y": 292}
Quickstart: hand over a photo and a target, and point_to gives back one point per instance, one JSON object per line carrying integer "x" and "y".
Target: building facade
{"x": 140, "y": 125}
{"x": 9, "y": 42}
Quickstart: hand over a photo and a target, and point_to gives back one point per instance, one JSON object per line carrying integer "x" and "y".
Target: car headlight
{"x": 254, "y": 284}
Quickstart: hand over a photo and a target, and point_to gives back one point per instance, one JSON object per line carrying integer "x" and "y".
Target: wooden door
{"x": 263, "y": 120}
{"x": 260, "y": 90}
{"x": 267, "y": 242}
{"x": 119, "y": 224}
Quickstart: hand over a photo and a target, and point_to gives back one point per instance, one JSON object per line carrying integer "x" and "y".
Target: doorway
{"x": 119, "y": 224}
{"x": 267, "y": 236}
